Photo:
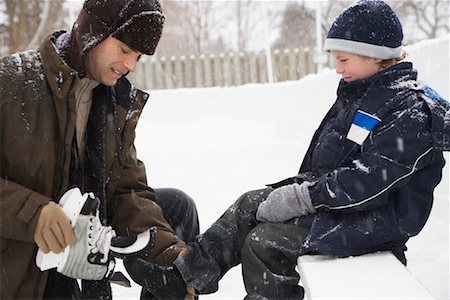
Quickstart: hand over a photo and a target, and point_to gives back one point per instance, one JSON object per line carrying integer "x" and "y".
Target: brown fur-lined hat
{"x": 137, "y": 23}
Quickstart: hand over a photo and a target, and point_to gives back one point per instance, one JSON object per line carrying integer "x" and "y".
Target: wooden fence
{"x": 221, "y": 70}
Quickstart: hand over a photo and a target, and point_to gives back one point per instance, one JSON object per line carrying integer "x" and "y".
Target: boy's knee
{"x": 258, "y": 238}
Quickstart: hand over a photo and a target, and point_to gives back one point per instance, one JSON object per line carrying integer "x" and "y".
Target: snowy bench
{"x": 371, "y": 276}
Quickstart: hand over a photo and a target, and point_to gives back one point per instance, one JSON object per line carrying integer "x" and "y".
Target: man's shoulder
{"x": 17, "y": 64}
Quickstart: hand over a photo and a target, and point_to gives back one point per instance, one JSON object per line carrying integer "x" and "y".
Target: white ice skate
{"x": 92, "y": 256}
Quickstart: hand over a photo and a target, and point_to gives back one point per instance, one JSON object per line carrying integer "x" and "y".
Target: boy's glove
{"x": 53, "y": 231}
{"x": 285, "y": 203}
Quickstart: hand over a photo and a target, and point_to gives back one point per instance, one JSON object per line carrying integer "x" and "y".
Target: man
{"x": 68, "y": 117}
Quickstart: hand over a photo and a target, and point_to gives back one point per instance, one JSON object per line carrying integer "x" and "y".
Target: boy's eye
{"x": 124, "y": 50}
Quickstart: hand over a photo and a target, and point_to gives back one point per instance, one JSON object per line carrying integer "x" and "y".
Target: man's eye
{"x": 124, "y": 50}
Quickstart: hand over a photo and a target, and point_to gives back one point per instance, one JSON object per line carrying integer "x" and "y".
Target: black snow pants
{"x": 179, "y": 210}
{"x": 268, "y": 252}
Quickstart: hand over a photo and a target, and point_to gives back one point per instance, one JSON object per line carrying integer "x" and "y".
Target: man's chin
{"x": 110, "y": 82}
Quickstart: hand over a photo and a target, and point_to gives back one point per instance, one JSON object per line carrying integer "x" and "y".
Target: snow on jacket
{"x": 376, "y": 195}
{"x": 37, "y": 116}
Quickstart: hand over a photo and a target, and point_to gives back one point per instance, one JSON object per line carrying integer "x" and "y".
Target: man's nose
{"x": 130, "y": 64}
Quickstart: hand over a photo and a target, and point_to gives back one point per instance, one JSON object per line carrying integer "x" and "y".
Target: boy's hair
{"x": 386, "y": 63}
{"x": 369, "y": 28}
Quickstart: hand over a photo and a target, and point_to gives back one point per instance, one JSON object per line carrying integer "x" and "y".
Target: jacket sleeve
{"x": 132, "y": 209}
{"x": 399, "y": 146}
{"x": 20, "y": 208}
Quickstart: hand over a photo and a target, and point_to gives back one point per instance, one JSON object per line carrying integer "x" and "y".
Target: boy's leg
{"x": 219, "y": 248}
{"x": 180, "y": 211}
{"x": 269, "y": 257}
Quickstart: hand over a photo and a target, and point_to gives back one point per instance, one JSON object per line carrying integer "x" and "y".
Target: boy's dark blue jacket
{"x": 375, "y": 196}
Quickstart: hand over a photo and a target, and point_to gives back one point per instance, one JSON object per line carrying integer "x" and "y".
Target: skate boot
{"x": 92, "y": 256}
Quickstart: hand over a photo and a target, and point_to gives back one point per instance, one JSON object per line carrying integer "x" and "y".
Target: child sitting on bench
{"x": 365, "y": 185}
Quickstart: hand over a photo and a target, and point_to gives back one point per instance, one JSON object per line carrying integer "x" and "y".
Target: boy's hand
{"x": 53, "y": 231}
{"x": 285, "y": 203}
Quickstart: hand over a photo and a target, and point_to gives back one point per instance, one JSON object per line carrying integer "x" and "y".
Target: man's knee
{"x": 168, "y": 196}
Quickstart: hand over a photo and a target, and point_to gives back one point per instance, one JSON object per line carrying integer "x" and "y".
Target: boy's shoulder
{"x": 440, "y": 117}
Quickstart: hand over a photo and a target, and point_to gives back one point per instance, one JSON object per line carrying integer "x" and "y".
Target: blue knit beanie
{"x": 369, "y": 28}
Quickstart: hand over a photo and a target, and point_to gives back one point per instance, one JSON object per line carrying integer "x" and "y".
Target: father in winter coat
{"x": 68, "y": 117}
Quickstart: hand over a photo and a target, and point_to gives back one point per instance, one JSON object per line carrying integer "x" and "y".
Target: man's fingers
{"x": 53, "y": 230}
{"x": 58, "y": 234}
{"x": 40, "y": 241}
{"x": 67, "y": 231}
{"x": 190, "y": 290}
{"x": 189, "y": 297}
{"x": 52, "y": 241}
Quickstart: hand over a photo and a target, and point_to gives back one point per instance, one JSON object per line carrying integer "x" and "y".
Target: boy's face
{"x": 110, "y": 60}
{"x": 354, "y": 67}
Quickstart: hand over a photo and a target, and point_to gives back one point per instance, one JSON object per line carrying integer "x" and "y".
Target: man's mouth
{"x": 117, "y": 72}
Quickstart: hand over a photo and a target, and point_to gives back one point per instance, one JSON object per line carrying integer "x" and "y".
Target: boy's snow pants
{"x": 268, "y": 252}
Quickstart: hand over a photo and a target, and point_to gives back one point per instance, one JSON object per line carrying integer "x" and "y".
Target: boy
{"x": 366, "y": 183}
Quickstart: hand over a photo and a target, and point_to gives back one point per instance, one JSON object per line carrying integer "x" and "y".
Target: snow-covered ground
{"x": 217, "y": 143}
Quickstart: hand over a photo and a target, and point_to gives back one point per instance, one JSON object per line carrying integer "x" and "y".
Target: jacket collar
{"x": 373, "y": 92}
{"x": 59, "y": 75}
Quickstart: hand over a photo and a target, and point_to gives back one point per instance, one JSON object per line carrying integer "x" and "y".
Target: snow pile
{"x": 218, "y": 143}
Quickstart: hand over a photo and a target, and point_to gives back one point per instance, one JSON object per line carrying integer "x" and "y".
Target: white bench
{"x": 371, "y": 276}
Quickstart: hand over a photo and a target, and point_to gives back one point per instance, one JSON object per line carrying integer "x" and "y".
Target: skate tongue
{"x": 120, "y": 279}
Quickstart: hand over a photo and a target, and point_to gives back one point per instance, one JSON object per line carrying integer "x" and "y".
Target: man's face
{"x": 110, "y": 60}
{"x": 354, "y": 67}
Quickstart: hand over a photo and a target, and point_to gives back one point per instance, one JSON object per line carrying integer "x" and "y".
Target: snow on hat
{"x": 369, "y": 28}
{"x": 137, "y": 23}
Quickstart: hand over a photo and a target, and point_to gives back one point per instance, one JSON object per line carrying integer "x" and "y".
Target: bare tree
{"x": 198, "y": 20}
{"x": 424, "y": 18}
{"x": 27, "y": 23}
{"x": 244, "y": 22}
{"x": 193, "y": 27}
{"x": 330, "y": 11}
{"x": 297, "y": 27}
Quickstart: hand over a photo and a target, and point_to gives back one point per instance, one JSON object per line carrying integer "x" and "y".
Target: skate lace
{"x": 100, "y": 238}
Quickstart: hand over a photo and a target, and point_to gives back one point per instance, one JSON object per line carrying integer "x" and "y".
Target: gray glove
{"x": 285, "y": 203}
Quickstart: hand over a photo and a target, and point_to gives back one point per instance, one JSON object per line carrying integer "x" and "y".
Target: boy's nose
{"x": 339, "y": 69}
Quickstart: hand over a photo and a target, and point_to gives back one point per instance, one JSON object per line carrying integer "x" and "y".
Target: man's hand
{"x": 285, "y": 203}
{"x": 190, "y": 290}
{"x": 190, "y": 293}
{"x": 53, "y": 231}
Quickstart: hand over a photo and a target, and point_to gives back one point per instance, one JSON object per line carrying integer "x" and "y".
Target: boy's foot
{"x": 162, "y": 282}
